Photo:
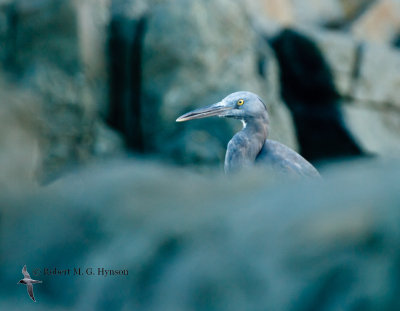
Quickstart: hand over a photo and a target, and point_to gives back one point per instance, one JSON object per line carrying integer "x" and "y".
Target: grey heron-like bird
{"x": 251, "y": 145}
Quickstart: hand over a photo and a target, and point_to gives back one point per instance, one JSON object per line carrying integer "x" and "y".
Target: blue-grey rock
{"x": 206, "y": 242}
{"x": 188, "y": 54}
{"x": 53, "y": 50}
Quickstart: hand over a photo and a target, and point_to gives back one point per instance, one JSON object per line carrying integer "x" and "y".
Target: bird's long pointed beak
{"x": 208, "y": 111}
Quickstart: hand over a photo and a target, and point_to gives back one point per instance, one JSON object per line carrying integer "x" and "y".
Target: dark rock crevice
{"x": 358, "y": 61}
{"x": 396, "y": 41}
{"x": 125, "y": 68}
{"x": 9, "y": 49}
{"x": 309, "y": 92}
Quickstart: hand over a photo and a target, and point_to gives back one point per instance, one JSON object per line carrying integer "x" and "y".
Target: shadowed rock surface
{"x": 348, "y": 104}
{"x": 136, "y": 65}
{"x": 47, "y": 48}
{"x": 194, "y": 241}
{"x": 206, "y": 242}
{"x": 20, "y": 154}
{"x": 315, "y": 101}
{"x": 169, "y": 57}
{"x": 380, "y": 23}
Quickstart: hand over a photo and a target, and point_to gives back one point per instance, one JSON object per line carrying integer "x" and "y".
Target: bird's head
{"x": 239, "y": 105}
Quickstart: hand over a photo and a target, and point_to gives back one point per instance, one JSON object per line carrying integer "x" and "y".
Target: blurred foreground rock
{"x": 206, "y": 242}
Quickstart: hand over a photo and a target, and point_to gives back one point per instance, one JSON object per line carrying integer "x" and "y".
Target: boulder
{"x": 188, "y": 54}
{"x": 190, "y": 242}
{"x": 329, "y": 80}
{"x": 355, "y": 8}
{"x": 52, "y": 50}
{"x": 380, "y": 23}
{"x": 315, "y": 12}
{"x": 93, "y": 17}
{"x": 378, "y": 81}
{"x": 316, "y": 72}
{"x": 20, "y": 154}
{"x": 375, "y": 130}
{"x": 271, "y": 15}
{"x": 295, "y": 12}
{"x": 341, "y": 54}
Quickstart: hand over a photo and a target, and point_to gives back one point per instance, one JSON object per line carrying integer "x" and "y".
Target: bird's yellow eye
{"x": 240, "y": 102}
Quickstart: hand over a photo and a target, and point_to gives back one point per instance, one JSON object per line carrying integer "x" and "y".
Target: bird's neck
{"x": 244, "y": 147}
{"x": 256, "y": 130}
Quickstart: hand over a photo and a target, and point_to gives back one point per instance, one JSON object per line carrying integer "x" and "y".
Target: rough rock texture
{"x": 139, "y": 64}
{"x": 194, "y": 241}
{"x": 375, "y": 130}
{"x": 371, "y": 20}
{"x": 317, "y": 12}
{"x": 378, "y": 79}
{"x": 189, "y": 54}
{"x": 270, "y": 15}
{"x": 47, "y": 51}
{"x": 19, "y": 137}
{"x": 280, "y": 11}
{"x": 341, "y": 54}
{"x": 345, "y": 80}
{"x": 290, "y": 12}
{"x": 380, "y": 23}
{"x": 206, "y": 242}
{"x": 310, "y": 89}
{"x": 355, "y": 8}
{"x": 328, "y": 76}
{"x": 93, "y": 17}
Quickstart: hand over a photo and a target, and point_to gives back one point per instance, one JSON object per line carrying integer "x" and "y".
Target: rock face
{"x": 317, "y": 12}
{"x": 271, "y": 15}
{"x": 191, "y": 54}
{"x": 337, "y": 14}
{"x": 329, "y": 79}
{"x": 189, "y": 241}
{"x": 19, "y": 138}
{"x": 206, "y": 242}
{"x": 373, "y": 129}
{"x": 297, "y": 12}
{"x": 44, "y": 52}
{"x": 139, "y": 64}
{"x": 350, "y": 95}
{"x": 315, "y": 100}
{"x": 353, "y": 9}
{"x": 380, "y": 23}
{"x": 378, "y": 81}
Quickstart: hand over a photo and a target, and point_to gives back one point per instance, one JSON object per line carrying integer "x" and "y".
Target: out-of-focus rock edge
{"x": 206, "y": 242}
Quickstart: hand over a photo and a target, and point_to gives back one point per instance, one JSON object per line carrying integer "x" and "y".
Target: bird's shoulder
{"x": 280, "y": 156}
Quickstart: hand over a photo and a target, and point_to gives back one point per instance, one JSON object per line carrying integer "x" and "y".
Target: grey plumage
{"x": 250, "y": 145}
{"x": 278, "y": 155}
{"x": 28, "y": 282}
